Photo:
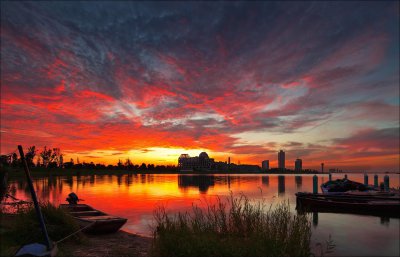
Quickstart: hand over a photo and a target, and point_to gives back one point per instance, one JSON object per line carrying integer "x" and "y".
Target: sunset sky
{"x": 149, "y": 81}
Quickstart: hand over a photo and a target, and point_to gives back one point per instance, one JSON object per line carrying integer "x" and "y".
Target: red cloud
{"x": 90, "y": 91}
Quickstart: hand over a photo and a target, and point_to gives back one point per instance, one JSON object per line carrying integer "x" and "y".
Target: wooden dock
{"x": 387, "y": 205}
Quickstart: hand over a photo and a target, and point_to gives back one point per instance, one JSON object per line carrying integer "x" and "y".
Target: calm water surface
{"x": 136, "y": 196}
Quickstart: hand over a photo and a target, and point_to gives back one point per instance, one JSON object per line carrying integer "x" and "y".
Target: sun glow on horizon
{"x": 151, "y": 155}
{"x": 239, "y": 85}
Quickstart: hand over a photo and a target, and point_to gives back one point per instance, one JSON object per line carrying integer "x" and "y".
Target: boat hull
{"x": 94, "y": 221}
{"x": 101, "y": 226}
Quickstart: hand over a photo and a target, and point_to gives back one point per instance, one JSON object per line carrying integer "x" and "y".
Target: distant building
{"x": 281, "y": 160}
{"x": 322, "y": 167}
{"x": 201, "y": 162}
{"x": 265, "y": 165}
{"x": 298, "y": 165}
{"x": 247, "y": 168}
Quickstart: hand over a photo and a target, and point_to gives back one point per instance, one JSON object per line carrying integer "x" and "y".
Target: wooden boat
{"x": 101, "y": 222}
{"x": 388, "y": 206}
{"x": 341, "y": 186}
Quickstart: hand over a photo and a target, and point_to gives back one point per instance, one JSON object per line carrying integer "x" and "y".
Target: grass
{"x": 235, "y": 227}
{"x": 23, "y": 227}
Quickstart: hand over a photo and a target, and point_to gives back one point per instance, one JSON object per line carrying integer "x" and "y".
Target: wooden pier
{"x": 387, "y": 205}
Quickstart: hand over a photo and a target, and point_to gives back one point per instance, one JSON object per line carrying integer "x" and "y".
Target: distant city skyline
{"x": 148, "y": 81}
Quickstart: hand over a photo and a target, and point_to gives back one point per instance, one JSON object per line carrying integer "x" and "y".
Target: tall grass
{"x": 23, "y": 227}
{"x": 235, "y": 227}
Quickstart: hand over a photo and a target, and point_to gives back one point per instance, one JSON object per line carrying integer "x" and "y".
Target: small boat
{"x": 94, "y": 221}
{"x": 378, "y": 205}
{"x": 341, "y": 186}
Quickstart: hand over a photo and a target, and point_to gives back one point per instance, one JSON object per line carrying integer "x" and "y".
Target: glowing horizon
{"x": 243, "y": 80}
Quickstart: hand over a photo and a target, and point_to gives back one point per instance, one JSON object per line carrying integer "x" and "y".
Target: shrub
{"x": 235, "y": 227}
{"x": 24, "y": 227}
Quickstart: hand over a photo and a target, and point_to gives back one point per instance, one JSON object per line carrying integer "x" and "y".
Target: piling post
{"x": 330, "y": 176}
{"x": 386, "y": 182}
{"x": 315, "y": 184}
{"x": 315, "y": 219}
{"x": 345, "y": 176}
{"x": 376, "y": 181}
{"x": 365, "y": 179}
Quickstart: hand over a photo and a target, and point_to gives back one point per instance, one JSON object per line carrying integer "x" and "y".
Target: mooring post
{"x": 315, "y": 219}
{"x": 345, "y": 176}
{"x": 34, "y": 198}
{"x": 330, "y": 176}
{"x": 386, "y": 182}
{"x": 376, "y": 181}
{"x": 315, "y": 184}
{"x": 365, "y": 179}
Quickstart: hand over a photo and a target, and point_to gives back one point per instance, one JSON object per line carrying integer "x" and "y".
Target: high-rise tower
{"x": 298, "y": 165}
{"x": 265, "y": 165}
{"x": 281, "y": 160}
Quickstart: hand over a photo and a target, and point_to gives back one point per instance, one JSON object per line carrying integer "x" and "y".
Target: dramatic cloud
{"x": 118, "y": 77}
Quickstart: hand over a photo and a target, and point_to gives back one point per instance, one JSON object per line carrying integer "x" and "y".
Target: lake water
{"x": 136, "y": 196}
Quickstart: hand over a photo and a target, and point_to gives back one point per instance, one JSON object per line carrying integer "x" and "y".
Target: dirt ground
{"x": 116, "y": 244}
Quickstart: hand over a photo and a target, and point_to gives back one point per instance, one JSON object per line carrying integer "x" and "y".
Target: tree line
{"x": 53, "y": 158}
{"x": 48, "y": 158}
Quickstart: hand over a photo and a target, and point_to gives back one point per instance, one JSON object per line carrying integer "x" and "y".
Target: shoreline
{"x": 120, "y": 243}
{"x": 40, "y": 172}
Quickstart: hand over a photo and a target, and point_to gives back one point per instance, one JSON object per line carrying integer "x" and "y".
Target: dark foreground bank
{"x": 115, "y": 244}
{"x": 235, "y": 226}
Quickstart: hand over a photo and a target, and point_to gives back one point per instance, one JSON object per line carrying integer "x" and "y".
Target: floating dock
{"x": 387, "y": 205}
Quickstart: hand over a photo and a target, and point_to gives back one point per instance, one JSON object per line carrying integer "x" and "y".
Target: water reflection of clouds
{"x": 358, "y": 234}
{"x": 135, "y": 196}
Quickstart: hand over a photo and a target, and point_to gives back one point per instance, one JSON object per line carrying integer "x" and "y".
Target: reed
{"x": 23, "y": 227}
{"x": 235, "y": 227}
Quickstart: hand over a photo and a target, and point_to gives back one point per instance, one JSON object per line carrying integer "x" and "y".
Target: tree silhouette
{"x": 46, "y": 155}
{"x": 5, "y": 160}
{"x": 57, "y": 157}
{"x": 120, "y": 165}
{"x": 30, "y": 155}
{"x": 61, "y": 161}
{"x": 14, "y": 160}
{"x": 51, "y": 156}
{"x": 128, "y": 164}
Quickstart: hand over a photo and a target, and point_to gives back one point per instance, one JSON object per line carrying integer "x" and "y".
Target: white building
{"x": 201, "y": 162}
